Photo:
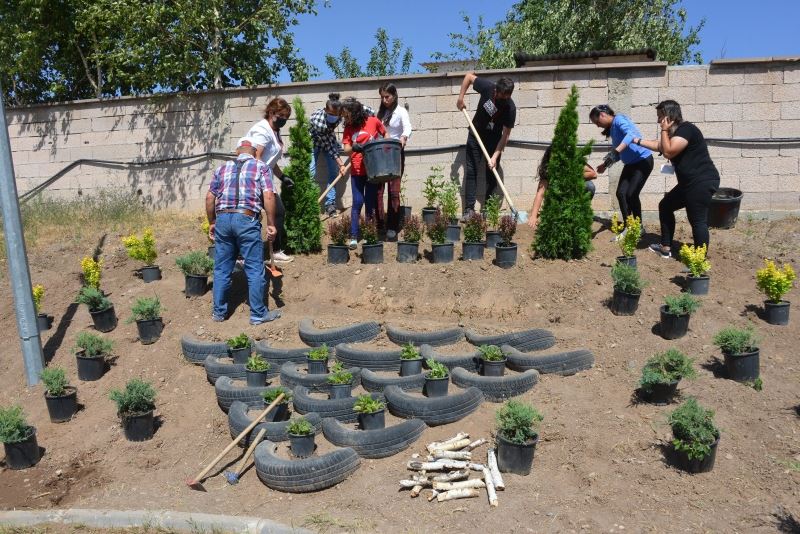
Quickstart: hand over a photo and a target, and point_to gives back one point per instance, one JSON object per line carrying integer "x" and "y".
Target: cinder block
{"x": 762, "y": 75}
{"x": 656, "y": 183}
{"x": 782, "y": 201}
{"x": 552, "y": 97}
{"x": 694, "y": 76}
{"x": 652, "y": 77}
{"x": 682, "y": 95}
{"x": 733, "y": 75}
{"x": 762, "y": 111}
{"x": 650, "y": 201}
{"x": 750, "y": 129}
{"x": 729, "y": 181}
{"x": 424, "y": 104}
{"x": 714, "y": 95}
{"x": 719, "y": 152}
{"x": 723, "y": 112}
{"x": 791, "y": 73}
{"x": 738, "y": 166}
{"x": 758, "y": 184}
{"x": 717, "y": 130}
{"x": 536, "y": 115}
{"x": 755, "y": 201}
{"x": 446, "y": 103}
{"x": 434, "y": 87}
{"x": 592, "y": 96}
{"x": 789, "y": 183}
{"x": 644, "y": 96}
{"x": 786, "y": 128}
{"x": 452, "y": 136}
{"x": 536, "y": 80}
{"x": 790, "y": 110}
{"x": 752, "y": 93}
{"x": 525, "y": 99}
{"x": 434, "y": 121}
{"x": 566, "y": 79}
{"x": 786, "y": 93}
{"x": 778, "y": 165}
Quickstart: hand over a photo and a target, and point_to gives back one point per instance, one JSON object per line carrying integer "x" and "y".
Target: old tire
{"x": 560, "y": 363}
{"x": 374, "y": 443}
{"x": 217, "y": 366}
{"x": 278, "y": 357}
{"x": 354, "y": 333}
{"x": 374, "y": 360}
{"x": 447, "y": 336}
{"x": 197, "y": 351}
{"x": 434, "y": 410}
{"x": 496, "y": 388}
{"x": 308, "y": 474}
{"x": 239, "y": 418}
{"x": 341, "y": 409}
{"x": 524, "y": 340}
{"x": 372, "y": 381}
{"x": 291, "y": 377}
{"x": 229, "y": 390}
{"x": 469, "y": 361}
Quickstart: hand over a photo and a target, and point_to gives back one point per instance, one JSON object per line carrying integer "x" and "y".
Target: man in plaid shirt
{"x": 239, "y": 190}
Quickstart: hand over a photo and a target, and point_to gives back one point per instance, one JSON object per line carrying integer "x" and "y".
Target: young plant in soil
{"x": 365, "y": 404}
{"x": 628, "y": 242}
{"x": 518, "y": 422}
{"x": 437, "y": 232}
{"x": 339, "y": 375}
{"x": 146, "y": 309}
{"x": 491, "y": 353}
{"x": 448, "y": 201}
{"x": 409, "y": 352}
{"x": 301, "y": 437}
{"x": 37, "y": 292}
{"x": 195, "y": 263}
{"x": 627, "y": 279}
{"x": 137, "y": 398}
{"x": 91, "y": 270}
{"x": 300, "y": 427}
{"x": 369, "y": 231}
{"x": 433, "y": 185}
{"x": 774, "y": 282}
{"x": 339, "y": 230}
{"x": 319, "y": 353}
{"x": 733, "y": 340}
{"x": 412, "y": 230}
{"x": 693, "y": 430}
{"x": 142, "y": 249}
{"x": 238, "y": 342}
{"x": 13, "y": 426}
{"x": 257, "y": 364}
{"x": 474, "y": 229}
{"x": 18, "y": 438}
{"x": 271, "y": 394}
{"x": 666, "y": 368}
{"x": 507, "y": 228}
{"x": 436, "y": 370}
{"x": 694, "y": 258}
{"x": 92, "y": 346}
{"x": 492, "y": 210}
{"x": 93, "y": 298}
{"x": 683, "y": 304}
{"x": 54, "y": 380}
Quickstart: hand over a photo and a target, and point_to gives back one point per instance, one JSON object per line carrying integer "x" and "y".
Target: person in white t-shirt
{"x": 398, "y": 126}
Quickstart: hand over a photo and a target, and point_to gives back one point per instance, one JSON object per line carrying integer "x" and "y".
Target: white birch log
{"x": 415, "y": 491}
{"x": 475, "y": 444}
{"x": 452, "y": 446}
{"x": 487, "y": 478}
{"x": 451, "y": 476}
{"x": 457, "y": 494}
{"x": 412, "y": 483}
{"x": 438, "y": 444}
{"x": 462, "y": 484}
{"x": 450, "y": 455}
{"x": 497, "y": 478}
{"x": 441, "y": 465}
{"x": 433, "y": 495}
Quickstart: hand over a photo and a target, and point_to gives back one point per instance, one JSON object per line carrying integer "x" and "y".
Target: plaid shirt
{"x": 323, "y": 134}
{"x": 254, "y": 178}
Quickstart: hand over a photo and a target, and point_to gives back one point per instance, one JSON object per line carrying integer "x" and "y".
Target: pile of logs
{"x": 446, "y": 471}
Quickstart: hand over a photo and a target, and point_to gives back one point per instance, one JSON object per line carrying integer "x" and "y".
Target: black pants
{"x": 695, "y": 198}
{"x": 474, "y": 158}
{"x": 631, "y": 182}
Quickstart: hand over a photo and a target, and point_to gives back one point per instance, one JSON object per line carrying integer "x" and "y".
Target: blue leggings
{"x": 363, "y": 192}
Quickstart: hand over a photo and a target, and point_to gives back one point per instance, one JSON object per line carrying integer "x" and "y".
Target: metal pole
{"x": 18, "y": 259}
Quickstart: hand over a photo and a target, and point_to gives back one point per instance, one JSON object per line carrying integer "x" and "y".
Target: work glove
{"x": 287, "y": 182}
{"x": 611, "y": 158}
{"x": 358, "y": 147}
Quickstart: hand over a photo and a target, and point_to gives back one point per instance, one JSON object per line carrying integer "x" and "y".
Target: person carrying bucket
{"x": 493, "y": 120}
{"x": 398, "y": 125}
{"x": 322, "y": 126}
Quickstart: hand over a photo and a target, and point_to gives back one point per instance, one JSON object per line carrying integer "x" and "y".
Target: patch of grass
{"x": 324, "y": 523}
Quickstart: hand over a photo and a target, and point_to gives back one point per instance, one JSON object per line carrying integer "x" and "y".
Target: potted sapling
{"x": 739, "y": 347}
{"x": 405, "y": 208}
{"x": 441, "y": 248}
{"x": 694, "y": 258}
{"x": 372, "y": 249}
{"x": 19, "y": 438}
{"x": 100, "y": 308}
{"x": 675, "y": 315}
{"x": 492, "y": 212}
{"x": 371, "y": 413}
{"x": 408, "y": 246}
{"x": 91, "y": 352}
{"x": 146, "y": 312}
{"x": 437, "y": 379}
{"x": 205, "y": 228}
{"x": 695, "y": 437}
{"x": 135, "y": 406}
{"x": 448, "y": 200}
{"x": 431, "y": 190}
{"x": 239, "y": 348}
{"x": 339, "y": 232}
{"x": 340, "y": 381}
{"x": 318, "y": 360}
{"x": 627, "y": 237}
{"x": 506, "y": 249}
{"x": 410, "y": 360}
{"x": 195, "y": 266}
{"x": 144, "y": 249}
{"x": 661, "y": 374}
{"x": 91, "y": 270}
{"x": 474, "y": 234}
{"x": 628, "y": 285}
{"x": 493, "y": 360}
{"x": 517, "y": 434}
{"x": 61, "y": 398}
{"x": 301, "y": 437}
{"x": 281, "y": 410}
{"x": 256, "y": 370}
{"x": 43, "y": 321}
{"x": 775, "y": 283}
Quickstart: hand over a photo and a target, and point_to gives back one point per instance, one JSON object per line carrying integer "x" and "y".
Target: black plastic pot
{"x": 340, "y": 391}
{"x": 372, "y": 254}
{"x": 302, "y": 446}
{"x": 742, "y": 367}
{"x": 151, "y": 273}
{"x": 776, "y": 312}
{"x": 104, "y": 320}
{"x": 442, "y": 253}
{"x": 407, "y": 252}
{"x": 338, "y": 254}
{"x": 138, "y": 426}
{"x": 23, "y": 454}
{"x": 410, "y": 367}
{"x": 278, "y": 413}
{"x": 317, "y": 367}
{"x": 241, "y": 355}
{"x": 453, "y": 232}
{"x": 659, "y": 394}
{"x": 62, "y": 407}
{"x": 372, "y": 421}
{"x": 492, "y": 238}
{"x": 428, "y": 216}
{"x": 211, "y": 252}
{"x": 673, "y": 326}
{"x": 472, "y": 251}
{"x": 493, "y": 368}
{"x": 43, "y": 322}
{"x": 696, "y": 465}
{"x": 505, "y": 256}
{"x": 624, "y": 303}
{"x": 724, "y": 208}
{"x": 149, "y": 330}
{"x": 90, "y": 368}
{"x": 256, "y": 379}
{"x": 697, "y": 285}
{"x": 627, "y": 260}
{"x": 514, "y": 457}
{"x": 196, "y": 285}
{"x": 436, "y": 387}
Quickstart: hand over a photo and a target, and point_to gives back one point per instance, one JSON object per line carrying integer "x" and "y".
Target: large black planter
{"x": 696, "y": 465}
{"x": 492, "y": 238}
{"x": 340, "y": 391}
{"x": 428, "y": 216}
{"x": 442, "y": 253}
{"x": 278, "y": 413}
{"x": 372, "y": 421}
{"x": 23, "y": 454}
{"x": 436, "y": 387}
{"x": 493, "y": 368}
{"x": 453, "y": 232}
{"x": 776, "y": 312}
{"x": 151, "y": 273}
{"x": 659, "y": 394}
{"x": 410, "y": 367}
{"x": 256, "y": 379}
{"x": 90, "y": 369}
{"x": 742, "y": 367}
{"x": 372, "y": 254}
{"x": 149, "y": 330}
{"x": 104, "y": 320}
{"x": 624, "y": 303}
{"x": 240, "y": 356}
{"x": 724, "y": 208}
{"x": 62, "y": 407}
{"x": 627, "y": 260}
{"x": 43, "y": 322}
{"x": 407, "y": 252}
{"x": 196, "y": 285}
{"x": 317, "y": 367}
{"x": 472, "y": 251}
{"x": 138, "y": 426}
{"x": 697, "y": 285}
{"x": 673, "y": 326}
{"x": 514, "y": 457}
{"x": 505, "y": 256}
{"x": 338, "y": 254}
{"x": 302, "y": 446}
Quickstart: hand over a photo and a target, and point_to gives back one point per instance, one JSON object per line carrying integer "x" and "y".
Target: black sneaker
{"x": 658, "y": 249}
{"x": 467, "y": 214}
{"x": 330, "y": 210}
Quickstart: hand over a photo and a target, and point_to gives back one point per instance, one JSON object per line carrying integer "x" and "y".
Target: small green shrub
{"x": 693, "y": 429}
{"x": 437, "y": 231}
{"x": 682, "y": 304}
{"x": 13, "y": 427}
{"x": 138, "y": 397}
{"x": 518, "y": 422}
{"x": 272, "y": 394}
{"x": 300, "y": 427}
{"x": 507, "y": 229}
{"x": 257, "y": 364}
{"x": 366, "y": 404}
{"x": 665, "y": 368}
{"x": 54, "y": 380}
{"x": 142, "y": 249}
{"x": 436, "y": 370}
{"x": 492, "y": 210}
{"x": 369, "y": 231}
{"x": 475, "y": 229}
{"x": 92, "y": 345}
{"x": 409, "y": 352}
{"x": 694, "y": 258}
{"x": 145, "y": 309}
{"x": 195, "y": 263}
{"x": 732, "y": 340}
{"x": 322, "y": 352}
{"x": 93, "y": 298}
{"x": 433, "y": 185}
{"x": 491, "y": 353}
{"x": 627, "y": 279}
{"x": 339, "y": 230}
{"x": 774, "y": 282}
{"x": 238, "y": 342}
{"x": 448, "y": 200}
{"x": 339, "y": 375}
{"x": 412, "y": 230}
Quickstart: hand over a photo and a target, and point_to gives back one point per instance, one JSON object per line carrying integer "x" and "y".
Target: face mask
{"x": 279, "y": 122}
{"x": 331, "y": 119}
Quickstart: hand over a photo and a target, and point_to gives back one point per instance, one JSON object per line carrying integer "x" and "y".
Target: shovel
{"x": 333, "y": 183}
{"x": 233, "y": 476}
{"x": 274, "y": 271}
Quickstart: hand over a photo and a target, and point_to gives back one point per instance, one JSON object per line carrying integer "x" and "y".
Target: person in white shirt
{"x": 398, "y": 126}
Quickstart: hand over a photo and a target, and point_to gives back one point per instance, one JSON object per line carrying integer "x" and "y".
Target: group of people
{"x": 241, "y": 189}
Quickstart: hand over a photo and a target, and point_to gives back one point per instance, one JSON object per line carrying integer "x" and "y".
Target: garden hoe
{"x": 274, "y": 271}
{"x": 196, "y": 483}
{"x": 233, "y": 476}
{"x": 333, "y": 183}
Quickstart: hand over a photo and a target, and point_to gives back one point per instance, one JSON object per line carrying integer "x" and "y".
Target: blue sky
{"x": 734, "y": 28}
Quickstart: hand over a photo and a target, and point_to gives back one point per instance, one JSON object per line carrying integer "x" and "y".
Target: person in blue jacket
{"x": 638, "y": 160}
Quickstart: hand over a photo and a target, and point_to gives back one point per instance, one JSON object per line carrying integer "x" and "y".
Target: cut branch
{"x": 438, "y": 444}
{"x": 457, "y": 494}
{"x": 487, "y": 479}
{"x": 462, "y": 484}
{"x": 497, "y": 478}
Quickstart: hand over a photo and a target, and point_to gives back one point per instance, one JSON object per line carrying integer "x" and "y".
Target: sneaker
{"x": 658, "y": 249}
{"x": 280, "y": 256}
{"x": 353, "y": 244}
{"x": 269, "y": 317}
{"x": 620, "y": 235}
{"x": 330, "y": 210}
{"x": 467, "y": 214}
{"x": 391, "y": 235}
{"x": 239, "y": 264}
{"x": 217, "y": 318}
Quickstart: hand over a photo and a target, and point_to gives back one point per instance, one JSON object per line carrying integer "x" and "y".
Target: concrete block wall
{"x": 728, "y": 99}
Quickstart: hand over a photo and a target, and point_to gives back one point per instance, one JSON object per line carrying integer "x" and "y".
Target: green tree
{"x": 565, "y": 225}
{"x": 383, "y": 60}
{"x": 303, "y": 225}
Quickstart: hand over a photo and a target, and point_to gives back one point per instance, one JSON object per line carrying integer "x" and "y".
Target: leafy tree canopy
{"x": 384, "y": 60}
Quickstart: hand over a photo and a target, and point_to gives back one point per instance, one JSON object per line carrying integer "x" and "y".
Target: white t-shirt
{"x": 399, "y": 123}
{"x": 263, "y": 135}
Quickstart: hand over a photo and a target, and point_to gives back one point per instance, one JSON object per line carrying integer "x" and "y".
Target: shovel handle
{"x": 333, "y": 183}
{"x": 250, "y": 449}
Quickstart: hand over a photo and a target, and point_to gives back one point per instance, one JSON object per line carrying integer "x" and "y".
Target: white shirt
{"x": 399, "y": 123}
{"x": 264, "y": 136}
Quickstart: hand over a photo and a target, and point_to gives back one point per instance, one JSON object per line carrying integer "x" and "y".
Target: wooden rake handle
{"x": 250, "y": 449}
{"x": 333, "y": 183}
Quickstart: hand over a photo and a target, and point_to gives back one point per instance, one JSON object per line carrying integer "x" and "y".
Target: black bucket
{"x": 104, "y": 320}
{"x": 43, "y": 322}
{"x": 317, "y": 367}
{"x": 493, "y": 367}
{"x": 372, "y": 421}
{"x": 338, "y": 254}
{"x": 673, "y": 326}
{"x": 492, "y": 238}
{"x": 436, "y": 387}
{"x": 340, "y": 391}
{"x": 382, "y": 158}
{"x": 196, "y": 285}
{"x": 62, "y": 407}
{"x": 696, "y": 465}
{"x": 724, "y": 208}
{"x": 515, "y": 457}
{"x": 630, "y": 261}
{"x": 428, "y": 216}
{"x": 138, "y": 427}
{"x": 743, "y": 367}
{"x": 410, "y": 367}
{"x": 776, "y": 312}
{"x": 472, "y": 251}
{"x": 372, "y": 254}
{"x": 624, "y": 303}
{"x": 660, "y": 394}
{"x": 23, "y": 454}
{"x": 505, "y": 257}
{"x": 407, "y": 252}
{"x": 453, "y": 232}
{"x": 256, "y": 379}
{"x": 405, "y": 214}
{"x": 698, "y": 285}
{"x": 302, "y": 446}
{"x": 442, "y": 253}
{"x": 149, "y": 330}
{"x": 90, "y": 368}
{"x": 151, "y": 273}
{"x": 240, "y": 355}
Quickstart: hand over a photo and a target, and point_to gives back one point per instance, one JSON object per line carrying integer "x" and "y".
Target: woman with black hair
{"x": 684, "y": 145}
{"x": 322, "y": 126}
{"x": 638, "y": 160}
{"x": 359, "y": 129}
{"x": 398, "y": 126}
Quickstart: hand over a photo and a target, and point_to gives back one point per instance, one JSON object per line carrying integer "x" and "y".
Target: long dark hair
{"x": 602, "y": 108}
{"x": 671, "y": 110}
{"x": 333, "y": 102}
{"x": 358, "y": 115}
{"x": 542, "y": 171}
{"x": 384, "y": 113}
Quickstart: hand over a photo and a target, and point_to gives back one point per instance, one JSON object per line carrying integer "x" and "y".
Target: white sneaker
{"x": 620, "y": 235}
{"x": 280, "y": 256}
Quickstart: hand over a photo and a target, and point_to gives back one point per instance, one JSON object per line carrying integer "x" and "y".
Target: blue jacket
{"x": 623, "y": 130}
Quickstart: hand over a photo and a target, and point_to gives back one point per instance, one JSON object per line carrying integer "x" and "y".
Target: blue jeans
{"x": 363, "y": 193}
{"x": 234, "y": 234}
{"x": 333, "y": 171}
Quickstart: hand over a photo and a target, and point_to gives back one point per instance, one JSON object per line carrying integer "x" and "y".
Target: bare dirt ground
{"x": 599, "y": 465}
